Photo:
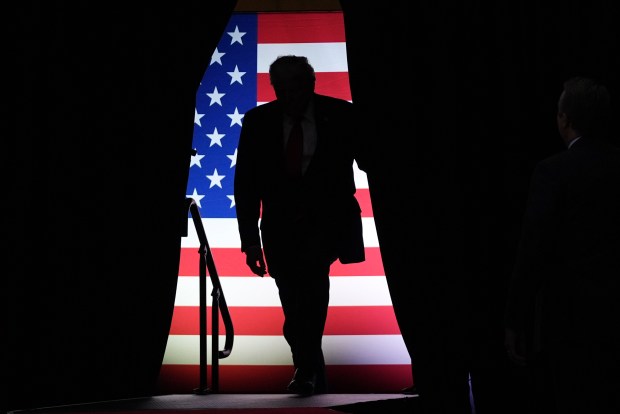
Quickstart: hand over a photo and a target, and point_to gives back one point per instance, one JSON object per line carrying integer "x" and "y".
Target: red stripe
{"x": 341, "y": 320}
{"x": 261, "y": 379}
{"x": 231, "y": 262}
{"x": 300, "y": 27}
{"x": 334, "y": 84}
{"x": 363, "y": 197}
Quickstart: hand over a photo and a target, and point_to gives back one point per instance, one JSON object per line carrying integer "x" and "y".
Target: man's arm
{"x": 247, "y": 197}
{"x": 534, "y": 257}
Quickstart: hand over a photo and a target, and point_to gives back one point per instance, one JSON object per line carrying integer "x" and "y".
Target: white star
{"x": 235, "y": 118}
{"x": 197, "y": 197}
{"x": 236, "y": 36}
{"x": 197, "y": 117}
{"x": 217, "y": 57}
{"x": 233, "y": 159}
{"x": 216, "y": 97}
{"x": 232, "y": 200}
{"x": 216, "y": 138}
{"x": 236, "y": 76}
{"x": 196, "y": 160}
{"x": 215, "y": 178}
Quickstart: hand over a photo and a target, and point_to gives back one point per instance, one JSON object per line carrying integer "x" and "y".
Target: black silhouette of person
{"x": 562, "y": 316}
{"x": 301, "y": 213}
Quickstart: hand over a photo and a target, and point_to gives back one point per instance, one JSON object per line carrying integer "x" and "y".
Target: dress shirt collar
{"x": 308, "y": 114}
{"x": 570, "y": 144}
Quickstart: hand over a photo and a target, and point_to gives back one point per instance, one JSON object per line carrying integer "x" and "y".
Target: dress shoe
{"x": 410, "y": 390}
{"x": 320, "y": 386}
{"x": 302, "y": 383}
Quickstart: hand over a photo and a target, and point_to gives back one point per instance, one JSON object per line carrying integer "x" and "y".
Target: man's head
{"x": 583, "y": 109}
{"x": 293, "y": 79}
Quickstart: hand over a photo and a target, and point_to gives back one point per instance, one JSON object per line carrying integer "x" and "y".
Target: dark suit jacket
{"x": 326, "y": 194}
{"x": 570, "y": 247}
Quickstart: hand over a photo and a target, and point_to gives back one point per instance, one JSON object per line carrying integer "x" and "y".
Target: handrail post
{"x": 203, "y": 389}
{"x": 215, "y": 335}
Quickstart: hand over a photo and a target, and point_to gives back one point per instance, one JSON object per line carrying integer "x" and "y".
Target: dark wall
{"x": 102, "y": 127}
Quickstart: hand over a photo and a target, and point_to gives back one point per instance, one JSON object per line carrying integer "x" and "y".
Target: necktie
{"x": 294, "y": 150}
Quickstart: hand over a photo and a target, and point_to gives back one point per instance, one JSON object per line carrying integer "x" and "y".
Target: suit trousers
{"x": 300, "y": 268}
{"x": 304, "y": 295}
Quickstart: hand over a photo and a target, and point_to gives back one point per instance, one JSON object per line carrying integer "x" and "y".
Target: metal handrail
{"x": 218, "y": 305}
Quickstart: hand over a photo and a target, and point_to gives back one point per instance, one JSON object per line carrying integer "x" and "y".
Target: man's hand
{"x": 255, "y": 260}
{"x": 514, "y": 347}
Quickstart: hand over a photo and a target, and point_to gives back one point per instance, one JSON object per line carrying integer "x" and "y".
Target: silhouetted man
{"x": 562, "y": 312}
{"x": 295, "y": 162}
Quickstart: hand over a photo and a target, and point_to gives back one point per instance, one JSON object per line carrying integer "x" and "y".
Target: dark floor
{"x": 345, "y": 403}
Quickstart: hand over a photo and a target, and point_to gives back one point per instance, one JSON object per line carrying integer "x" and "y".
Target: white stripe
{"x": 224, "y": 233}
{"x": 221, "y": 233}
{"x": 324, "y": 57}
{"x": 273, "y": 350}
{"x": 262, "y": 291}
{"x": 361, "y": 181}
{"x": 262, "y": 103}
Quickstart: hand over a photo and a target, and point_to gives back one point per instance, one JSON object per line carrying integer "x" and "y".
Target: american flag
{"x": 363, "y": 348}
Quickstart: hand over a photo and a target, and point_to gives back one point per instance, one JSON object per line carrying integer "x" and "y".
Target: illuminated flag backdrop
{"x": 363, "y": 347}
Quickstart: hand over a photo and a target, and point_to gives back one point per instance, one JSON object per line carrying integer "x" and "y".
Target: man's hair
{"x": 288, "y": 66}
{"x": 586, "y": 104}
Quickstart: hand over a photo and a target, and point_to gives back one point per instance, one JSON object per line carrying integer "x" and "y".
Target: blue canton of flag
{"x": 227, "y": 91}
